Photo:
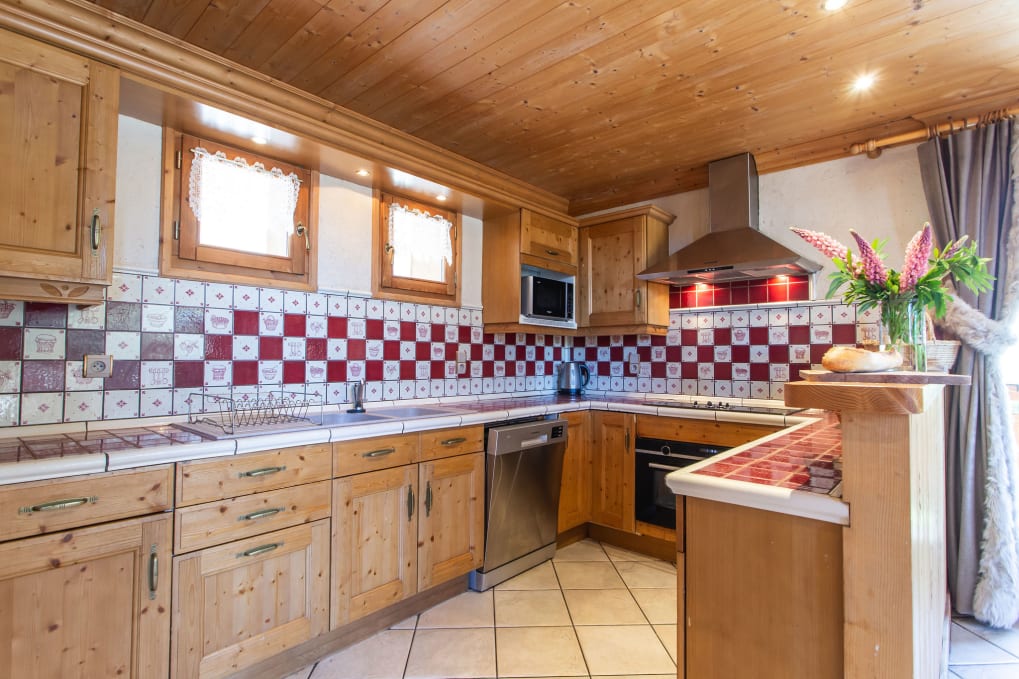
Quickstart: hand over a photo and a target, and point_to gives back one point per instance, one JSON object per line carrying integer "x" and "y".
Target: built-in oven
{"x": 655, "y": 503}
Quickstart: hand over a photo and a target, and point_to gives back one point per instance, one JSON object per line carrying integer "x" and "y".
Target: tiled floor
{"x": 594, "y": 611}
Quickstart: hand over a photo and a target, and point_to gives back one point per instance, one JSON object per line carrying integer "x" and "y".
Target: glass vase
{"x": 904, "y": 324}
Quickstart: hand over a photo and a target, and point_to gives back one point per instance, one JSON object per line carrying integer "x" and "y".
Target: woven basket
{"x": 941, "y": 354}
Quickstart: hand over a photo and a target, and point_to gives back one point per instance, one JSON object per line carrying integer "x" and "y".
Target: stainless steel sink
{"x": 410, "y": 412}
{"x": 342, "y": 419}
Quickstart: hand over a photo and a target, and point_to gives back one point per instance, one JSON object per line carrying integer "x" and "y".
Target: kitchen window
{"x": 417, "y": 251}
{"x": 237, "y": 216}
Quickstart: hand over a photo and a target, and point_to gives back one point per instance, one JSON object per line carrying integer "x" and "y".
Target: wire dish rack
{"x": 221, "y": 416}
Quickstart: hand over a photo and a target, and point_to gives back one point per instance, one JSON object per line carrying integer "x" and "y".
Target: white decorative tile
{"x": 355, "y": 370}
{"x": 337, "y": 349}
{"x": 157, "y": 290}
{"x": 336, "y": 305}
{"x": 464, "y": 317}
{"x": 156, "y": 374}
{"x": 356, "y": 307}
{"x": 356, "y": 328}
{"x": 778, "y": 335}
{"x": 408, "y": 312}
{"x": 295, "y": 302}
{"x": 157, "y": 318}
{"x": 246, "y": 297}
{"x": 270, "y": 323}
{"x": 124, "y": 346}
{"x": 843, "y": 313}
{"x": 373, "y": 308}
{"x": 315, "y": 371}
{"x": 219, "y": 322}
{"x": 778, "y": 317}
{"x": 155, "y": 402}
{"x": 218, "y": 373}
{"x": 245, "y": 348}
{"x": 391, "y": 311}
{"x": 820, "y": 334}
{"x": 293, "y": 348}
{"x": 316, "y": 304}
{"x": 10, "y": 405}
{"x": 799, "y": 353}
{"x": 391, "y": 330}
{"x": 43, "y": 408}
{"x": 799, "y": 315}
{"x": 185, "y": 399}
{"x": 74, "y": 379}
{"x": 476, "y": 317}
{"x": 125, "y": 287}
{"x": 44, "y": 343}
{"x": 188, "y": 347}
{"x": 121, "y": 403}
{"x": 87, "y": 318}
{"x": 270, "y": 299}
{"x": 12, "y": 313}
{"x": 219, "y": 295}
{"x": 423, "y": 313}
{"x": 316, "y": 326}
{"x": 270, "y": 372}
{"x": 188, "y": 293}
{"x": 10, "y": 377}
{"x": 820, "y": 314}
{"x": 83, "y": 406}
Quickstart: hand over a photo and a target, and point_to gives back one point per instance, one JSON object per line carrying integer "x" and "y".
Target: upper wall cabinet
{"x": 514, "y": 240}
{"x": 614, "y": 248}
{"x": 58, "y": 123}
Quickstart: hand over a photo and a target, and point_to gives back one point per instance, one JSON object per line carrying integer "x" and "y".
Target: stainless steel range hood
{"x": 735, "y": 249}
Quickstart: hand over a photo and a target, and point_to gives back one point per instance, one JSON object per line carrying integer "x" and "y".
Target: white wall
{"x": 345, "y": 220}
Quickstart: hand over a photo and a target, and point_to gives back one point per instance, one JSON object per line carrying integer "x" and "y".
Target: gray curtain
{"x": 968, "y": 181}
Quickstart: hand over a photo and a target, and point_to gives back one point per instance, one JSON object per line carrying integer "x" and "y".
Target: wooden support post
{"x": 894, "y": 559}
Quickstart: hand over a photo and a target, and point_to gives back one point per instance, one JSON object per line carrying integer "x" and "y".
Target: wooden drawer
{"x": 730, "y": 434}
{"x": 355, "y": 457}
{"x": 449, "y": 442}
{"x": 219, "y": 478}
{"x": 47, "y": 506}
{"x": 548, "y": 238}
{"x": 214, "y": 523}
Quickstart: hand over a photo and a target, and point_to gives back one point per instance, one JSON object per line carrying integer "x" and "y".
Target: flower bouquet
{"x": 904, "y": 297}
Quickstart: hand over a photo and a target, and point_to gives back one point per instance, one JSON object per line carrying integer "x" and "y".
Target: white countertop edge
{"x": 426, "y": 423}
{"x": 484, "y": 417}
{"x": 751, "y": 418}
{"x": 686, "y": 413}
{"x": 527, "y": 411}
{"x": 768, "y": 498}
{"x": 361, "y": 431}
{"x": 633, "y": 408}
{"x": 300, "y": 437}
{"x": 751, "y": 444}
{"x": 53, "y": 468}
{"x": 569, "y": 407}
{"x": 143, "y": 457}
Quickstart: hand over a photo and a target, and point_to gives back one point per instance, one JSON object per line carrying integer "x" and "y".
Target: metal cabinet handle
{"x": 302, "y": 230}
{"x": 263, "y": 471}
{"x": 410, "y": 502}
{"x": 261, "y": 514}
{"x": 637, "y": 295}
{"x": 428, "y": 499}
{"x": 261, "y": 549}
{"x": 95, "y": 230}
{"x": 453, "y": 441}
{"x": 662, "y": 467}
{"x": 626, "y": 439}
{"x": 381, "y": 452}
{"x": 66, "y": 503}
{"x": 153, "y": 571}
{"x": 550, "y": 251}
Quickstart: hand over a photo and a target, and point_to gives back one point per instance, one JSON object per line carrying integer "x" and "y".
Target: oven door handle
{"x": 663, "y": 467}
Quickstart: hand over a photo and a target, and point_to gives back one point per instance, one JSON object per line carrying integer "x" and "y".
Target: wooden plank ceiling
{"x": 607, "y": 102}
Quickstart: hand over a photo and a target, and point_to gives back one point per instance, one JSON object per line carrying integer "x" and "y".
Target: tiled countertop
{"x": 796, "y": 471}
{"x": 777, "y": 463}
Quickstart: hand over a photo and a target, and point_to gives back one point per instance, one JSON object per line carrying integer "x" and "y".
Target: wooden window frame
{"x": 180, "y": 254}
{"x": 387, "y": 286}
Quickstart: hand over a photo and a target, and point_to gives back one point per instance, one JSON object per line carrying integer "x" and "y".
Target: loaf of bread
{"x": 853, "y": 360}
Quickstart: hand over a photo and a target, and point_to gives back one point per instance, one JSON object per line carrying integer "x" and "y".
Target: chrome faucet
{"x": 357, "y": 400}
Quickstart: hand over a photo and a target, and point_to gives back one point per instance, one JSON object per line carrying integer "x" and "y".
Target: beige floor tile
{"x": 1007, "y": 639}
{"x": 667, "y": 633}
{"x": 624, "y": 649}
{"x": 588, "y": 575}
{"x": 647, "y": 574}
{"x": 603, "y": 607}
{"x": 535, "y": 608}
{"x": 409, "y": 623}
{"x": 541, "y": 576}
{"x": 986, "y": 671}
{"x": 300, "y": 674}
{"x": 969, "y": 649}
{"x": 382, "y": 656}
{"x": 539, "y": 652}
{"x": 620, "y": 554}
{"x": 444, "y": 653}
{"x": 585, "y": 550}
{"x": 659, "y": 605}
{"x": 470, "y": 609}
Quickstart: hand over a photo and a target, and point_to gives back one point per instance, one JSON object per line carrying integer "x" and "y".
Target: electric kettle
{"x": 573, "y": 377}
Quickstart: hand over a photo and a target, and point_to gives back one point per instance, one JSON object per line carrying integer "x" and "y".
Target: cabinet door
{"x": 612, "y": 502}
{"x": 88, "y": 603}
{"x": 575, "y": 490}
{"x": 611, "y": 256}
{"x": 242, "y": 602}
{"x": 58, "y": 111}
{"x": 374, "y": 542}
{"x": 451, "y": 523}
{"x": 547, "y": 238}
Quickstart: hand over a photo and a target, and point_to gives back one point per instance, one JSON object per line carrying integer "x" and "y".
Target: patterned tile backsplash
{"x": 172, "y": 338}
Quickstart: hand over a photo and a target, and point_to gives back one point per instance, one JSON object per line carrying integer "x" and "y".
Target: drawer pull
{"x": 261, "y": 549}
{"x": 454, "y": 441}
{"x": 264, "y": 471}
{"x": 381, "y": 452}
{"x": 551, "y": 252}
{"x": 261, "y": 514}
{"x": 66, "y": 503}
{"x": 153, "y": 571}
{"x": 428, "y": 499}
{"x": 410, "y": 502}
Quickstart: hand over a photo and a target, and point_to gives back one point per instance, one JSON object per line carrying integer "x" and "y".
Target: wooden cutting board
{"x": 886, "y": 377}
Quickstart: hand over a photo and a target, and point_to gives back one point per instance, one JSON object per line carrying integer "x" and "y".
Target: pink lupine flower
{"x": 873, "y": 267}
{"x": 825, "y": 244}
{"x": 918, "y": 254}
{"x": 952, "y": 247}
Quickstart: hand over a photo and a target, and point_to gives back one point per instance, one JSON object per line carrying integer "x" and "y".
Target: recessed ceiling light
{"x": 362, "y": 172}
{"x": 441, "y": 196}
{"x": 864, "y": 82}
{"x": 834, "y": 5}
{"x": 261, "y": 141}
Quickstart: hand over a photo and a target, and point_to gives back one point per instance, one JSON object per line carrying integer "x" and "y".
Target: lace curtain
{"x": 241, "y": 206}
{"x": 421, "y": 244}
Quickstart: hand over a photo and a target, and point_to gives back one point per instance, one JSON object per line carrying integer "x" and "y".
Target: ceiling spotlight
{"x": 834, "y": 5}
{"x": 864, "y": 82}
{"x": 362, "y": 172}
{"x": 261, "y": 141}
{"x": 441, "y": 196}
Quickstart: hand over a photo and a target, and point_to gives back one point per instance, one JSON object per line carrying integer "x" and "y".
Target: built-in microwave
{"x": 546, "y": 298}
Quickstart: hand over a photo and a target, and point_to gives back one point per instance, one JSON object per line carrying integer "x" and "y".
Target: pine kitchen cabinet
{"x": 575, "y": 489}
{"x": 93, "y": 598}
{"x": 58, "y": 115}
{"x": 614, "y": 248}
{"x": 612, "y": 502}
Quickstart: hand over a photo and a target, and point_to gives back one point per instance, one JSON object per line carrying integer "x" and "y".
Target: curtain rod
{"x": 872, "y": 147}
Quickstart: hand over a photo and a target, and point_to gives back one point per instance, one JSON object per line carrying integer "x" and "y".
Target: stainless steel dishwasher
{"x": 523, "y": 470}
